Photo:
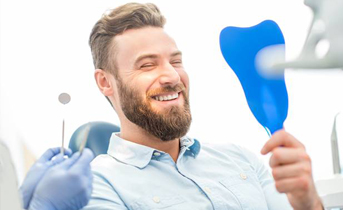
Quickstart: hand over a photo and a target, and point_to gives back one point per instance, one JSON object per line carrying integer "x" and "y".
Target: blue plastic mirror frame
{"x": 267, "y": 98}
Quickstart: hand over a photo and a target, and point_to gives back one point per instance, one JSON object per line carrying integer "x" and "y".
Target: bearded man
{"x": 151, "y": 163}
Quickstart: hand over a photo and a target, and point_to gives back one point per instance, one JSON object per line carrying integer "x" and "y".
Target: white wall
{"x": 44, "y": 51}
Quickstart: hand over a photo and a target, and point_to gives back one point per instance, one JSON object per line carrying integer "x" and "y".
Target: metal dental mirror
{"x": 64, "y": 98}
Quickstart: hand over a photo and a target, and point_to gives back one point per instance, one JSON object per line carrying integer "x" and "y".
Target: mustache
{"x": 168, "y": 89}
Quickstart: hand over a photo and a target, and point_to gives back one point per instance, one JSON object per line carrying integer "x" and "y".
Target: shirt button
{"x": 157, "y": 153}
{"x": 207, "y": 190}
{"x": 156, "y": 199}
{"x": 243, "y": 176}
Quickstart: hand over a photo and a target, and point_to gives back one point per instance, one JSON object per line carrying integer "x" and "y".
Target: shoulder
{"x": 106, "y": 170}
{"x": 104, "y": 194}
{"x": 103, "y": 160}
{"x": 232, "y": 150}
{"x": 106, "y": 162}
{"x": 105, "y": 167}
{"x": 109, "y": 169}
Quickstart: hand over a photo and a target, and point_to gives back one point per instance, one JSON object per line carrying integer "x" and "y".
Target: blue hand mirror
{"x": 266, "y": 95}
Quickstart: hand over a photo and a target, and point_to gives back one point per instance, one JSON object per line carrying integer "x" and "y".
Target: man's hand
{"x": 292, "y": 171}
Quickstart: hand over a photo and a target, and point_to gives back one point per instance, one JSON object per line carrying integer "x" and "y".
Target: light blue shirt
{"x": 133, "y": 176}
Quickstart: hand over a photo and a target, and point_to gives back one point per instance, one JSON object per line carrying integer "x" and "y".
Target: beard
{"x": 167, "y": 124}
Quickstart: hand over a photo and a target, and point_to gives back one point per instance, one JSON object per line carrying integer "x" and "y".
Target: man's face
{"x": 152, "y": 84}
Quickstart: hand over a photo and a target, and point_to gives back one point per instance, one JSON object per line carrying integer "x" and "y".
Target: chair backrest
{"x": 98, "y": 137}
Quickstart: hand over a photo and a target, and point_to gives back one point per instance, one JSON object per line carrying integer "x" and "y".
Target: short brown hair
{"x": 115, "y": 22}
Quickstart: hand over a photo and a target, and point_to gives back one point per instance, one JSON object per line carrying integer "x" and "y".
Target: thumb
{"x": 69, "y": 162}
{"x": 84, "y": 160}
{"x": 52, "y": 152}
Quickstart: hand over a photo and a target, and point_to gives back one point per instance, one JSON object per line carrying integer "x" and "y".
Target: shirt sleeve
{"x": 104, "y": 197}
{"x": 275, "y": 200}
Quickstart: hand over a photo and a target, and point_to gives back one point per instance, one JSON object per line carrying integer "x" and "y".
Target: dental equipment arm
{"x": 326, "y": 28}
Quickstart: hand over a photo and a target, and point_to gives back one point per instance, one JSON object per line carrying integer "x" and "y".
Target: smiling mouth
{"x": 168, "y": 97}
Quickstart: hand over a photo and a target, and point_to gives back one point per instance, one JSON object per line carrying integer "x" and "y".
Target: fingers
{"x": 295, "y": 184}
{"x": 52, "y": 152}
{"x": 291, "y": 171}
{"x": 69, "y": 162}
{"x": 84, "y": 161}
{"x": 58, "y": 159}
{"x": 77, "y": 161}
{"x": 86, "y": 157}
{"x": 281, "y": 138}
{"x": 283, "y": 155}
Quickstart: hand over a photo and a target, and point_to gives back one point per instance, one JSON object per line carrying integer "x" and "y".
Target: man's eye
{"x": 177, "y": 62}
{"x": 148, "y": 65}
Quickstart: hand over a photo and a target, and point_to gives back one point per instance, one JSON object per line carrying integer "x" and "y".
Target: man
{"x": 151, "y": 164}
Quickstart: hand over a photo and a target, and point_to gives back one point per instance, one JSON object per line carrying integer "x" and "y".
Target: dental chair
{"x": 98, "y": 137}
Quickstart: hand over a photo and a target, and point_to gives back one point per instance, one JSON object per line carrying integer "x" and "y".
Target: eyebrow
{"x": 144, "y": 56}
{"x": 176, "y": 53}
{"x": 154, "y": 56}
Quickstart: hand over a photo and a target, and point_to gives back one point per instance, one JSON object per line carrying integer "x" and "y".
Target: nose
{"x": 169, "y": 76}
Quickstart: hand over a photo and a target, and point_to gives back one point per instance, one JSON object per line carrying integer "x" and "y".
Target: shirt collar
{"x": 189, "y": 146}
{"x": 139, "y": 155}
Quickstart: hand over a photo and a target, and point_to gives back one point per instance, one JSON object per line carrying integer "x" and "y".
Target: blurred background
{"x": 44, "y": 51}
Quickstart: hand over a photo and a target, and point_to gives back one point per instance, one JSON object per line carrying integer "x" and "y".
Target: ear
{"x": 105, "y": 81}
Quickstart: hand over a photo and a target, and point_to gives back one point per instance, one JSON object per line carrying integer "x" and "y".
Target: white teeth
{"x": 167, "y": 97}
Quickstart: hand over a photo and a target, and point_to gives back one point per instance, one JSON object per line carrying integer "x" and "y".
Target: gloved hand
{"x": 66, "y": 186}
{"x": 37, "y": 171}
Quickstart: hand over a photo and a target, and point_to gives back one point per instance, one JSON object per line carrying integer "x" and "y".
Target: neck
{"x": 132, "y": 132}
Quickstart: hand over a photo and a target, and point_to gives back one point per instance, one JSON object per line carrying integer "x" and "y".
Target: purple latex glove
{"x": 66, "y": 186}
{"x": 49, "y": 159}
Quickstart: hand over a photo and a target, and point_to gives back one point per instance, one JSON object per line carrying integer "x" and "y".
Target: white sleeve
{"x": 9, "y": 195}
